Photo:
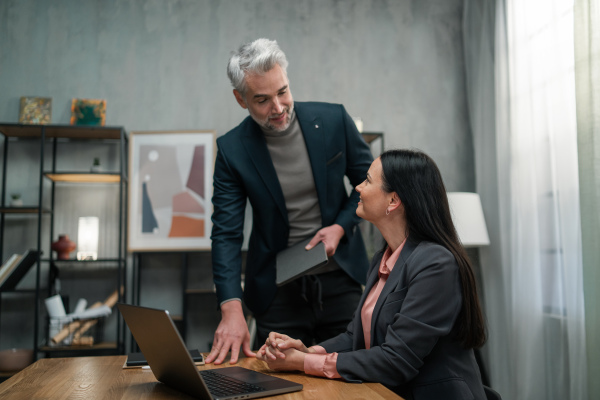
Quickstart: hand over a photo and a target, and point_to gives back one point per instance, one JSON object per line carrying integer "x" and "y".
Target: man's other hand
{"x": 231, "y": 333}
{"x": 330, "y": 236}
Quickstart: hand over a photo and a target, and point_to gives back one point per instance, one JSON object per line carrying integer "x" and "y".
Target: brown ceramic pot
{"x": 63, "y": 246}
{"x": 15, "y": 359}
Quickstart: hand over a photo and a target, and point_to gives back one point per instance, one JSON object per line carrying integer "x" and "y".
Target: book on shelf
{"x": 15, "y": 268}
{"x": 9, "y": 264}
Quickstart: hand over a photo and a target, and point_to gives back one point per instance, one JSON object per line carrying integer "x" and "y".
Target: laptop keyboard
{"x": 222, "y": 386}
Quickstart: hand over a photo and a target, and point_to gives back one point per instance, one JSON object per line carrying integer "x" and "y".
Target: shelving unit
{"x": 373, "y": 138}
{"x": 52, "y": 179}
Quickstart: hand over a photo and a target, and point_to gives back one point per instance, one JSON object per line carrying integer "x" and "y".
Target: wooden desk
{"x": 105, "y": 378}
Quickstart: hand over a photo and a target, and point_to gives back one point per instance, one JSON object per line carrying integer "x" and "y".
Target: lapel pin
{"x": 317, "y": 126}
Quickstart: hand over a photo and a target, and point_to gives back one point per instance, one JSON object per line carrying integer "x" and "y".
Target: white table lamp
{"x": 87, "y": 238}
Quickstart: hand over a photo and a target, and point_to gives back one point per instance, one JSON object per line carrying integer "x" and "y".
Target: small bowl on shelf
{"x": 15, "y": 359}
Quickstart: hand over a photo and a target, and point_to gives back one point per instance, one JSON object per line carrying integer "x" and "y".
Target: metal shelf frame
{"x": 53, "y": 135}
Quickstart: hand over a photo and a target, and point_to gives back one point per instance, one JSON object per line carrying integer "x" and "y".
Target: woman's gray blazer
{"x": 413, "y": 351}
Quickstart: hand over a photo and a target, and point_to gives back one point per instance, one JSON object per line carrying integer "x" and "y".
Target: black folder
{"x": 296, "y": 261}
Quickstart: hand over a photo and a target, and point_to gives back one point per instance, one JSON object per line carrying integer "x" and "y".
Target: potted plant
{"x": 96, "y": 167}
{"x": 16, "y": 200}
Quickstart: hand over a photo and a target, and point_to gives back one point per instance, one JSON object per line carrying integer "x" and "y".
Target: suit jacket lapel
{"x": 312, "y": 129}
{"x": 256, "y": 147}
{"x": 392, "y": 281}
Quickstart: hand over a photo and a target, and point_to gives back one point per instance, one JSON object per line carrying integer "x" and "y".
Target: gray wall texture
{"x": 160, "y": 64}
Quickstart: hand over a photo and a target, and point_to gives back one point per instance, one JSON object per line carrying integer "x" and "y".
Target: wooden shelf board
{"x": 371, "y": 136}
{"x": 22, "y": 210}
{"x": 97, "y": 261}
{"x": 98, "y": 346}
{"x": 87, "y": 265}
{"x": 200, "y": 291}
{"x": 84, "y": 177}
{"x": 61, "y": 131}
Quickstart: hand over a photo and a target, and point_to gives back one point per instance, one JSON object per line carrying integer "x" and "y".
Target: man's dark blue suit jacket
{"x": 244, "y": 170}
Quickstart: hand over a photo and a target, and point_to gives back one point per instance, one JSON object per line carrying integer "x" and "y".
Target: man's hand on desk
{"x": 231, "y": 333}
{"x": 330, "y": 236}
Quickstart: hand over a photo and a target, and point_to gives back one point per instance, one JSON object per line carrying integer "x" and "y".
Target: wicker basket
{"x": 81, "y": 332}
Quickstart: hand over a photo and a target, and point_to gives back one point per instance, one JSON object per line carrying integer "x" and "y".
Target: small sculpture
{"x": 63, "y": 246}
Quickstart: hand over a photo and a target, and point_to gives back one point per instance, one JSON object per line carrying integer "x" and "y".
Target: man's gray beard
{"x": 267, "y": 126}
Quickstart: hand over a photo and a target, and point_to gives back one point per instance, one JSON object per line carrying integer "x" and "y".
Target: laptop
{"x": 296, "y": 261}
{"x": 171, "y": 363}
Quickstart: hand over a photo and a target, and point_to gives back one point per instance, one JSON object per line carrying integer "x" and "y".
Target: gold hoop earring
{"x": 387, "y": 211}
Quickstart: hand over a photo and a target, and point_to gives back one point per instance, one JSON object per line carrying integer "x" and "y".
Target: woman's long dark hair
{"x": 416, "y": 179}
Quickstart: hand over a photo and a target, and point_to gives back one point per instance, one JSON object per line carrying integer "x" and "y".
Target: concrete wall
{"x": 160, "y": 64}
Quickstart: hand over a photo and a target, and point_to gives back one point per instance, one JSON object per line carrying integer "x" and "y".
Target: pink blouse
{"x": 321, "y": 363}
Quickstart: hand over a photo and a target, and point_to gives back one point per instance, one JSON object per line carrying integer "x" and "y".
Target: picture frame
{"x": 170, "y": 190}
{"x": 35, "y": 110}
{"x": 90, "y": 112}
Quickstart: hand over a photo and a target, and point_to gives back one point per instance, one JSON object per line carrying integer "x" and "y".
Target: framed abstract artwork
{"x": 88, "y": 112}
{"x": 170, "y": 190}
{"x": 35, "y": 110}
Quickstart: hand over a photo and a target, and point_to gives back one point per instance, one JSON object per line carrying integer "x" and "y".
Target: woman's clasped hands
{"x": 283, "y": 353}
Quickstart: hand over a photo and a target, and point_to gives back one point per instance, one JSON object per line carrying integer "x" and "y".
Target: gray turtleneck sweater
{"x": 290, "y": 158}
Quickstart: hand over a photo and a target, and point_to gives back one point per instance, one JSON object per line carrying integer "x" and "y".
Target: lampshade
{"x": 468, "y": 219}
{"x": 87, "y": 238}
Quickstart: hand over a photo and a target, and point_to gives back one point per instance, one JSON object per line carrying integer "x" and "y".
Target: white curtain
{"x": 479, "y": 41}
{"x": 587, "y": 77}
{"x": 532, "y": 271}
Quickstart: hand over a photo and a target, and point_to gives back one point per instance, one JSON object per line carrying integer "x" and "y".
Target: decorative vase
{"x": 63, "y": 246}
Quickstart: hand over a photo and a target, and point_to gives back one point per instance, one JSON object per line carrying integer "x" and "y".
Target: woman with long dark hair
{"x": 419, "y": 318}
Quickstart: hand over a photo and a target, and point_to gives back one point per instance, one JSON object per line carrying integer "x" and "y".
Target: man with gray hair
{"x": 289, "y": 160}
